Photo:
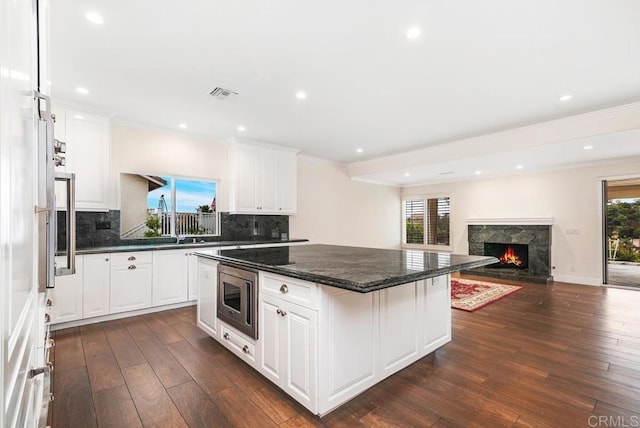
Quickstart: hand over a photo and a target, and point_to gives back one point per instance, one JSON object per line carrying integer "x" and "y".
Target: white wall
{"x": 572, "y": 197}
{"x": 333, "y": 209}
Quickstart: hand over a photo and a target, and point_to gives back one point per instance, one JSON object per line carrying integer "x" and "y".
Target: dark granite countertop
{"x": 351, "y": 268}
{"x": 174, "y": 246}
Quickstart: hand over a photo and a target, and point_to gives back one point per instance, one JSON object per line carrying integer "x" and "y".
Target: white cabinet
{"x": 170, "y": 277}
{"x": 262, "y": 181}
{"x": 207, "y": 296}
{"x": 288, "y": 347}
{"x": 87, "y": 137}
{"x": 192, "y": 276}
{"x": 130, "y": 282}
{"x": 66, "y": 296}
{"x": 95, "y": 301}
{"x": 436, "y": 313}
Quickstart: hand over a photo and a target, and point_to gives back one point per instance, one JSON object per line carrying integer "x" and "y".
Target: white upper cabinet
{"x": 262, "y": 180}
{"x": 88, "y": 140}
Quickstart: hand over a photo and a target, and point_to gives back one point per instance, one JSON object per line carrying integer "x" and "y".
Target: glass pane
{"x": 414, "y": 221}
{"x": 159, "y": 205}
{"x": 196, "y": 207}
{"x": 232, "y": 296}
{"x": 438, "y": 210}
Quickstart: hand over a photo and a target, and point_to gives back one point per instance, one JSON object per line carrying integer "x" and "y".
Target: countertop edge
{"x": 159, "y": 247}
{"x": 349, "y": 285}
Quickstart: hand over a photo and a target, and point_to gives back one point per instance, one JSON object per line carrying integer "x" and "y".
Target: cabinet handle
{"x": 49, "y": 302}
{"x": 47, "y": 318}
{"x": 50, "y": 343}
{"x": 106, "y": 260}
{"x": 284, "y": 289}
{"x": 132, "y": 267}
{"x": 281, "y": 312}
{"x": 245, "y": 349}
{"x": 131, "y": 258}
{"x": 226, "y": 336}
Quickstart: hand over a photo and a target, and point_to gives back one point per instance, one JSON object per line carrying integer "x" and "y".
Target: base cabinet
{"x": 130, "y": 287}
{"x": 436, "y": 313}
{"x": 170, "y": 280}
{"x": 66, "y": 296}
{"x": 288, "y": 347}
{"x": 95, "y": 289}
{"x": 207, "y": 277}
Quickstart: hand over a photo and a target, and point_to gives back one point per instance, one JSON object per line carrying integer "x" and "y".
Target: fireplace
{"x": 511, "y": 256}
{"x": 524, "y": 248}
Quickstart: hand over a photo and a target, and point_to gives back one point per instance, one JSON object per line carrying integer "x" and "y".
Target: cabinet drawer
{"x": 131, "y": 258}
{"x": 293, "y": 290}
{"x": 238, "y": 344}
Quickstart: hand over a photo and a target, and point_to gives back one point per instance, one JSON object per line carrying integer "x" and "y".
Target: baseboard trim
{"x": 582, "y": 280}
{"x": 120, "y": 315}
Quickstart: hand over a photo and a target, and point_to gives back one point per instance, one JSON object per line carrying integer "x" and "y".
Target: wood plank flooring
{"x": 559, "y": 355}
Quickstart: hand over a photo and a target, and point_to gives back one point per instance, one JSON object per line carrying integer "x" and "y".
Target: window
{"x": 183, "y": 207}
{"x": 427, "y": 222}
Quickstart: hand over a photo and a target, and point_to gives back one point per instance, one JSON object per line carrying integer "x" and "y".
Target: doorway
{"x": 621, "y": 227}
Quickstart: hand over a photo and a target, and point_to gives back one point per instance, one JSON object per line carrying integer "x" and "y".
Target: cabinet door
{"x": 192, "y": 276}
{"x": 130, "y": 287}
{"x": 267, "y": 183}
{"x": 398, "y": 326}
{"x": 246, "y": 199}
{"x": 271, "y": 330}
{"x": 169, "y": 277}
{"x": 207, "y": 296}
{"x": 88, "y": 151}
{"x": 66, "y": 296}
{"x": 287, "y": 183}
{"x": 96, "y": 285}
{"x": 436, "y": 313}
{"x": 300, "y": 354}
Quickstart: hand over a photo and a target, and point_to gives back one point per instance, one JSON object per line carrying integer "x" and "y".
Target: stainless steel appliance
{"x": 50, "y": 155}
{"x": 238, "y": 299}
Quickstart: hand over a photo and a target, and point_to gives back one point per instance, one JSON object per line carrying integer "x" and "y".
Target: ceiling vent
{"x": 223, "y": 94}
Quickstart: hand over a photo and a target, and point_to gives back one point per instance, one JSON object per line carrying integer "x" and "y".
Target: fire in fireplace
{"x": 511, "y": 256}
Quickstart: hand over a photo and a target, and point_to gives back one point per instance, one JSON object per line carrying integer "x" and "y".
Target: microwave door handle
{"x": 70, "y": 180}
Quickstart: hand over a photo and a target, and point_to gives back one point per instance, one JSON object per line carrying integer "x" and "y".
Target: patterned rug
{"x": 470, "y": 295}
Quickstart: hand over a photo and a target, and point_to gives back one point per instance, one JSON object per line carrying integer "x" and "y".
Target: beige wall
{"x": 572, "y": 197}
{"x": 333, "y": 209}
{"x": 152, "y": 152}
{"x": 134, "y": 190}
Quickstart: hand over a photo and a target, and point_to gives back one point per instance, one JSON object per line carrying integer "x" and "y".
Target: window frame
{"x": 425, "y": 247}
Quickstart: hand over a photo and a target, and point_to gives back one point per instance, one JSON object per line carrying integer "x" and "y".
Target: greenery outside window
{"x": 426, "y": 222}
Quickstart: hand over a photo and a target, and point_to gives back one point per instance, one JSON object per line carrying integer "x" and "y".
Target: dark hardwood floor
{"x": 559, "y": 355}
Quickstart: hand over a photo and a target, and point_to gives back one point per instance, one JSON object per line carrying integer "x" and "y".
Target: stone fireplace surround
{"x": 534, "y": 232}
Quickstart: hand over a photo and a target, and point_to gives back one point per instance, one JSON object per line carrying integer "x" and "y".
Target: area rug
{"x": 470, "y": 295}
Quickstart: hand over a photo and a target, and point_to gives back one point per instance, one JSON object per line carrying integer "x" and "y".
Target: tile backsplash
{"x": 102, "y": 229}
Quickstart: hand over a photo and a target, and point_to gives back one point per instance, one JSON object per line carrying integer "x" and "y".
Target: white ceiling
{"x": 477, "y": 67}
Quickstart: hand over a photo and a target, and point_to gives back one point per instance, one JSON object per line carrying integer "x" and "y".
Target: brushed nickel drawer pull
{"x": 284, "y": 289}
{"x": 226, "y": 336}
{"x": 132, "y": 267}
{"x": 131, "y": 258}
{"x": 245, "y": 349}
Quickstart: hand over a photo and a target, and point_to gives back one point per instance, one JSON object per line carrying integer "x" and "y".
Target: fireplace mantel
{"x": 530, "y": 221}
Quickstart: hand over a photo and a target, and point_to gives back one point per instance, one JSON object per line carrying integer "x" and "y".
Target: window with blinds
{"x": 427, "y": 221}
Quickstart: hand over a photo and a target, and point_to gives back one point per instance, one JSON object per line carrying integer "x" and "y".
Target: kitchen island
{"x": 332, "y": 321}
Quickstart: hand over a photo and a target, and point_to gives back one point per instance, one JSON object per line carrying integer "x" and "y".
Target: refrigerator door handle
{"x": 70, "y": 180}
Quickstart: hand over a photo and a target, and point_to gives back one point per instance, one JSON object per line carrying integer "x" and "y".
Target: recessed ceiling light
{"x": 183, "y": 126}
{"x": 478, "y": 172}
{"x": 241, "y": 128}
{"x": 566, "y": 97}
{"x": 519, "y": 167}
{"x": 413, "y": 33}
{"x": 588, "y": 147}
{"x": 95, "y": 18}
{"x": 406, "y": 174}
{"x": 301, "y": 95}
{"x": 359, "y": 150}
{"x": 83, "y": 91}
